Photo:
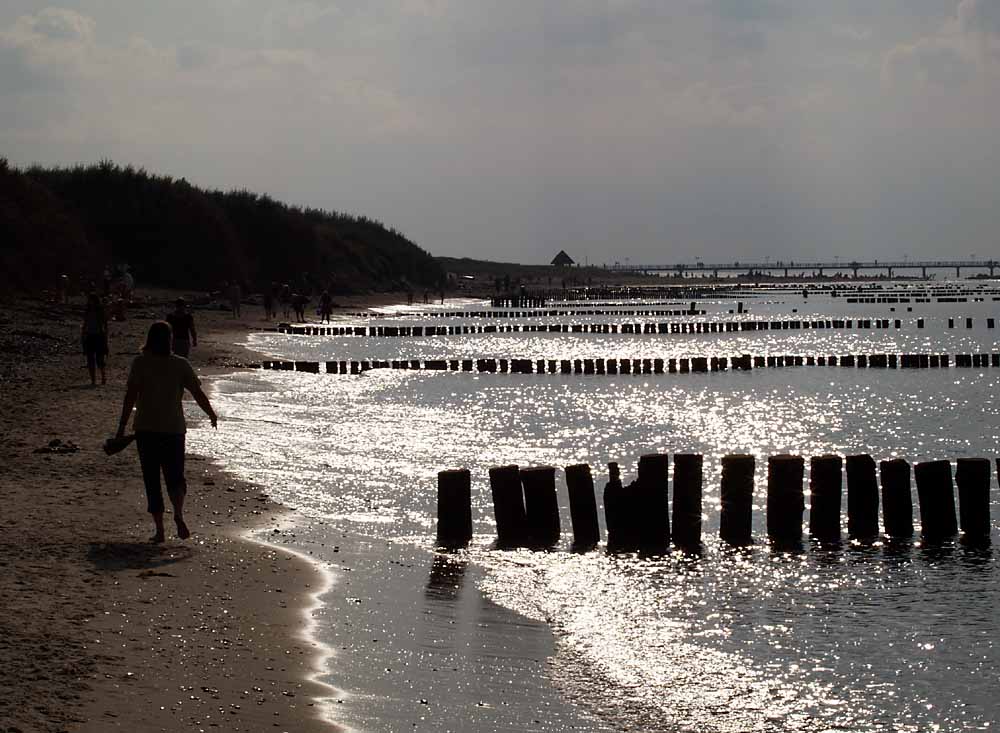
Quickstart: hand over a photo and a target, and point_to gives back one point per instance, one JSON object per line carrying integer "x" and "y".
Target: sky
{"x": 649, "y": 131}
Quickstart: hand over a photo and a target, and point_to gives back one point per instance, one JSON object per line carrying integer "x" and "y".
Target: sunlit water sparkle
{"x": 843, "y": 638}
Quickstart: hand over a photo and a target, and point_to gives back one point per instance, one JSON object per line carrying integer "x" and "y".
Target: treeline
{"x": 77, "y": 221}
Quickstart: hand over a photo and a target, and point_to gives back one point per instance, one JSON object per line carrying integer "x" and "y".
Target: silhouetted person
{"x": 94, "y": 337}
{"x": 286, "y": 300}
{"x": 325, "y": 306}
{"x": 299, "y": 304}
{"x": 182, "y": 324}
{"x": 156, "y": 384}
{"x": 235, "y": 297}
{"x": 270, "y": 302}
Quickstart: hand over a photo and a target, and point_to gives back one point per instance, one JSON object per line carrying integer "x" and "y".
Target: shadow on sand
{"x": 115, "y": 556}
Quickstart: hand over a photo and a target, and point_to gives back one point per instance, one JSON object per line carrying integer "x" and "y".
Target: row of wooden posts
{"x": 695, "y": 327}
{"x": 542, "y": 313}
{"x": 518, "y": 301}
{"x": 642, "y": 366}
{"x": 637, "y": 515}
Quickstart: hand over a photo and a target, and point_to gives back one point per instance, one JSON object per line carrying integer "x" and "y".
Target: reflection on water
{"x": 885, "y": 635}
{"x": 445, "y": 580}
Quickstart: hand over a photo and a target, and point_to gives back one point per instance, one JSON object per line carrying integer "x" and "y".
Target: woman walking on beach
{"x": 94, "y": 335}
{"x": 156, "y": 384}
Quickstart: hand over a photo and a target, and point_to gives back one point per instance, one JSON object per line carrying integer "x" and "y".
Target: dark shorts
{"x": 161, "y": 452}
{"x": 95, "y": 347}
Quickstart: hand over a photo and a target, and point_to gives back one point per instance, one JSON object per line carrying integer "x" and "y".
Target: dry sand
{"x": 101, "y": 630}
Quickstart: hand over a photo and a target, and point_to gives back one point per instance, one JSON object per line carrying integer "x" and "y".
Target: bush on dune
{"x": 172, "y": 234}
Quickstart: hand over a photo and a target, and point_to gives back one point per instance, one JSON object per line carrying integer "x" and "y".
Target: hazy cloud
{"x": 507, "y": 128}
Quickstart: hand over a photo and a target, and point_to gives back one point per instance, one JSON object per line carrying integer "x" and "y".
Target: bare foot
{"x": 182, "y": 529}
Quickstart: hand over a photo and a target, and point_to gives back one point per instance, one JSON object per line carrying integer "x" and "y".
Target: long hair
{"x": 159, "y": 339}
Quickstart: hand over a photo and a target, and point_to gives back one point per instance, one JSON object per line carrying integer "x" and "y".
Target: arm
{"x": 194, "y": 334}
{"x": 127, "y": 404}
{"x": 204, "y": 404}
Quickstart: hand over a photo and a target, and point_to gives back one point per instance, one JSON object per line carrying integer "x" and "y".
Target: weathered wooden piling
{"x": 936, "y": 494}
{"x": 897, "y": 501}
{"x": 736, "y": 497}
{"x": 862, "y": 498}
{"x": 686, "y": 530}
{"x": 582, "y": 506}
{"x": 454, "y": 508}
{"x": 619, "y": 512}
{"x": 652, "y": 502}
{"x": 973, "y": 479}
{"x": 785, "y": 500}
{"x": 825, "y": 497}
{"x": 508, "y": 505}
{"x": 541, "y": 507}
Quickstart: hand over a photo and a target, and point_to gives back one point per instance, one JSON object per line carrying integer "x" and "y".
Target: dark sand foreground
{"x": 101, "y": 630}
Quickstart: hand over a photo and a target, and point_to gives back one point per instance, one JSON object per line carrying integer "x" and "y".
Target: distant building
{"x": 562, "y": 259}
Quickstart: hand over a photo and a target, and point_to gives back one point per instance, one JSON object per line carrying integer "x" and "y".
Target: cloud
{"x": 60, "y": 24}
{"x": 979, "y": 16}
{"x": 191, "y": 56}
{"x": 933, "y": 61}
{"x": 736, "y": 124}
{"x": 965, "y": 46}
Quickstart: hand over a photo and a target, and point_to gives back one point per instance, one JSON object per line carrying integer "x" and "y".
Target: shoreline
{"x": 104, "y": 630}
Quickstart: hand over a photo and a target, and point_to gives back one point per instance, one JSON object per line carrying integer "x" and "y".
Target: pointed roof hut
{"x": 562, "y": 259}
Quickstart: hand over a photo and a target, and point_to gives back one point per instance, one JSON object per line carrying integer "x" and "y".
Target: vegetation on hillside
{"x": 79, "y": 220}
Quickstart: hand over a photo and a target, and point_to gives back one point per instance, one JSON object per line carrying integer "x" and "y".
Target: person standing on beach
{"x": 182, "y": 324}
{"x": 156, "y": 384}
{"x": 299, "y": 302}
{"x": 94, "y": 336}
{"x": 269, "y": 302}
{"x": 235, "y": 298}
{"x": 325, "y": 306}
{"x": 286, "y": 300}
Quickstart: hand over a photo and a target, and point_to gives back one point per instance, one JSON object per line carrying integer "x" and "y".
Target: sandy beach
{"x": 103, "y": 630}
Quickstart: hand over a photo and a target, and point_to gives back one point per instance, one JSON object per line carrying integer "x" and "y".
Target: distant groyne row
{"x": 642, "y": 366}
{"x": 638, "y": 516}
{"x": 685, "y": 327}
{"x": 544, "y": 313}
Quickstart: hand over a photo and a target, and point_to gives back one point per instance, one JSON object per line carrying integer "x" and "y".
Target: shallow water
{"x": 850, "y": 637}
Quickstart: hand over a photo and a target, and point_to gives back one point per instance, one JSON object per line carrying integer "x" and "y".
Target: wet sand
{"x": 102, "y": 630}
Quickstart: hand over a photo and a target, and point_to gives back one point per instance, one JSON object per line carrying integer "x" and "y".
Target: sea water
{"x": 886, "y": 637}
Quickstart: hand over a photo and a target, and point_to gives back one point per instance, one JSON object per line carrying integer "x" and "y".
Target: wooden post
{"x": 897, "y": 502}
{"x": 654, "y": 518}
{"x": 973, "y": 479}
{"x": 936, "y": 494}
{"x": 736, "y": 497}
{"x": 508, "y": 505}
{"x": 582, "y": 506}
{"x": 824, "y": 497}
{"x": 541, "y": 507}
{"x": 687, "y": 499}
{"x": 619, "y": 512}
{"x": 785, "y": 500}
{"x": 454, "y": 518}
{"x": 862, "y": 498}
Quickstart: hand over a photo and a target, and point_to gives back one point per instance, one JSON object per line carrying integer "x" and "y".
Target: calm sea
{"x": 885, "y": 637}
